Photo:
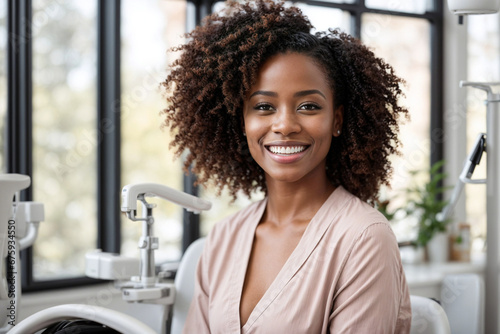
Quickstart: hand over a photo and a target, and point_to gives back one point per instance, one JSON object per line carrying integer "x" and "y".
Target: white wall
{"x": 455, "y": 106}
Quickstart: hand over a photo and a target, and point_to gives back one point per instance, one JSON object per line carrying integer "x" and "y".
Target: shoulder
{"x": 361, "y": 227}
{"x": 357, "y": 215}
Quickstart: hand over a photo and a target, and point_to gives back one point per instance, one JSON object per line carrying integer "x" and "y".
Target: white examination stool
{"x": 462, "y": 297}
{"x": 428, "y": 317}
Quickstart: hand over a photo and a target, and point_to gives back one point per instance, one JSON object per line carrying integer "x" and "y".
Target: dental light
{"x": 472, "y": 7}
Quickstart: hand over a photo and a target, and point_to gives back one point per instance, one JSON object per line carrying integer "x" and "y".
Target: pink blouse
{"x": 344, "y": 276}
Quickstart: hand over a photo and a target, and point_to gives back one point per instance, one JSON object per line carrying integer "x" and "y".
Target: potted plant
{"x": 426, "y": 203}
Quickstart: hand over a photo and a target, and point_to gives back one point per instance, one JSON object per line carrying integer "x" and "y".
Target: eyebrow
{"x": 265, "y": 93}
{"x": 298, "y": 94}
{"x": 308, "y": 92}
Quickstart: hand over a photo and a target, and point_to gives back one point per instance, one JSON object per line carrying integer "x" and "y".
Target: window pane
{"x": 64, "y": 134}
{"x": 3, "y": 83}
{"x": 483, "y": 66}
{"x": 324, "y": 18}
{"x": 407, "y": 6}
{"x": 145, "y": 146}
{"x": 407, "y": 49}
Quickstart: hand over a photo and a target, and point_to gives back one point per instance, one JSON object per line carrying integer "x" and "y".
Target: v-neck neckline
{"x": 310, "y": 238}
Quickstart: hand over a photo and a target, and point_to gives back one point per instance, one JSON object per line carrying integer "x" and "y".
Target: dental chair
{"x": 119, "y": 321}
{"x": 150, "y": 300}
{"x": 428, "y": 317}
{"x": 184, "y": 285}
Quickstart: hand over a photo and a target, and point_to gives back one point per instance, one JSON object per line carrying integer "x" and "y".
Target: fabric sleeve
{"x": 197, "y": 318}
{"x": 371, "y": 287}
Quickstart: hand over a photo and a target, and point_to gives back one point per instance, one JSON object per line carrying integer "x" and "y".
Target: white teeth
{"x": 286, "y": 149}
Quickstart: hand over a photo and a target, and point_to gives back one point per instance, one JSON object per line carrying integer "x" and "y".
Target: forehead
{"x": 291, "y": 71}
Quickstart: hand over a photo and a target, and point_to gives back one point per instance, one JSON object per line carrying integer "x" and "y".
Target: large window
{"x": 64, "y": 135}
{"x": 87, "y": 119}
{"x": 3, "y": 81}
{"x": 408, "y": 50}
{"x": 144, "y": 145}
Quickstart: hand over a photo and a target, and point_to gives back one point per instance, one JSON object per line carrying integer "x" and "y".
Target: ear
{"x": 338, "y": 120}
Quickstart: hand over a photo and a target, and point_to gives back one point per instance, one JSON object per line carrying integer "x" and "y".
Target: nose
{"x": 286, "y": 122}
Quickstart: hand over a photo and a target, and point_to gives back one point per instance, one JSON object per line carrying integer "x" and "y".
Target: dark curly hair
{"x": 207, "y": 85}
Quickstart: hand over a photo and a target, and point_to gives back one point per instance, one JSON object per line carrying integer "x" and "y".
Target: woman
{"x": 261, "y": 104}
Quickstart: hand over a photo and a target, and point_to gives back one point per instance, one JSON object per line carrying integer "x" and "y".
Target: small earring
{"x": 338, "y": 132}
{"x": 244, "y": 134}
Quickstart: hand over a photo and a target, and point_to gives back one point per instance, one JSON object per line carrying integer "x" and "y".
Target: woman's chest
{"x": 270, "y": 251}
{"x": 298, "y": 299}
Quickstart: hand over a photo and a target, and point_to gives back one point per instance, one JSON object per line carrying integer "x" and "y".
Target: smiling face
{"x": 289, "y": 119}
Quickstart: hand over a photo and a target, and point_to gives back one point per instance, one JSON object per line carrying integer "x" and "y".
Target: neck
{"x": 296, "y": 202}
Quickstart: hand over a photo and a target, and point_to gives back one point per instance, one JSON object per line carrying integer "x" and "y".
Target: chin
{"x": 284, "y": 177}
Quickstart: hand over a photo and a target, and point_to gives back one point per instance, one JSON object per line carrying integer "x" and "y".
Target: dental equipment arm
{"x": 476, "y": 153}
{"x": 28, "y": 218}
{"x": 131, "y": 192}
{"x": 472, "y": 161}
{"x": 148, "y": 244}
{"x": 143, "y": 288}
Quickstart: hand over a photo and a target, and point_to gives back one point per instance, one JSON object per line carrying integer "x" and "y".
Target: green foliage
{"x": 382, "y": 206}
{"x": 424, "y": 201}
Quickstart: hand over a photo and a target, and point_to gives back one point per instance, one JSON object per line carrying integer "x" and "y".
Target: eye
{"x": 264, "y": 107}
{"x": 309, "y": 107}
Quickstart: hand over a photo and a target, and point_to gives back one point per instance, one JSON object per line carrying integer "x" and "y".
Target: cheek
{"x": 254, "y": 129}
{"x": 323, "y": 135}
{"x": 323, "y": 128}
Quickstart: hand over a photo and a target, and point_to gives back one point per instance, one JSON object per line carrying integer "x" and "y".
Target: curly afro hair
{"x": 207, "y": 85}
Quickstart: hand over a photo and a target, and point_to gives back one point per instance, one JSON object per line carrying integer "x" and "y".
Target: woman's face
{"x": 289, "y": 118}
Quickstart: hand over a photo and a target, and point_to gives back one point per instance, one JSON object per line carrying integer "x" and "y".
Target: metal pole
{"x": 492, "y": 271}
{"x": 147, "y": 244}
{"x": 493, "y": 205}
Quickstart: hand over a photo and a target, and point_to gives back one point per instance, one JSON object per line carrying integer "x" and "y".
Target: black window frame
{"x": 19, "y": 113}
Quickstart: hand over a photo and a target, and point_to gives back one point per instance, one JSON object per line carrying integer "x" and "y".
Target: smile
{"x": 286, "y": 150}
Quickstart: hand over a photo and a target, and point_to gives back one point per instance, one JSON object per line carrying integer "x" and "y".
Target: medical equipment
{"x": 150, "y": 300}
{"x": 147, "y": 287}
{"x": 472, "y": 161}
{"x": 472, "y": 7}
{"x": 18, "y": 230}
{"x": 467, "y": 7}
{"x": 492, "y": 145}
